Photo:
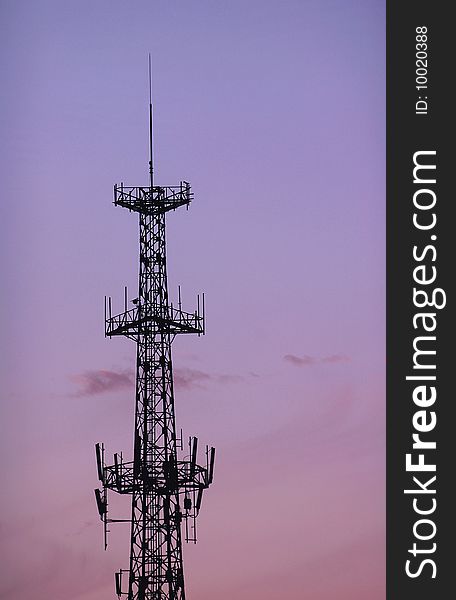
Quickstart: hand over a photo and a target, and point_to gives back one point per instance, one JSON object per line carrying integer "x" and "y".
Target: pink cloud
{"x": 185, "y": 378}
{"x": 300, "y": 361}
{"x": 92, "y": 383}
{"x": 307, "y": 361}
{"x": 335, "y": 358}
{"x": 100, "y": 381}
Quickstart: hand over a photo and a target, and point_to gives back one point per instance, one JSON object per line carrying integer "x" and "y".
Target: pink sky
{"x": 275, "y": 113}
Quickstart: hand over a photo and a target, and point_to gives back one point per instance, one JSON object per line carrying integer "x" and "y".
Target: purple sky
{"x": 274, "y": 111}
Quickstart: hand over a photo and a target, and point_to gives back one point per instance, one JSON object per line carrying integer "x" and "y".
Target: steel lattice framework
{"x": 166, "y": 492}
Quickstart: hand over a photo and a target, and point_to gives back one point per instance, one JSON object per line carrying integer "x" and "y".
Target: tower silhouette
{"x": 166, "y": 491}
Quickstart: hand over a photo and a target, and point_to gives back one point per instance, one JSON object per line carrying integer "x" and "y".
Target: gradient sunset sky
{"x": 275, "y": 112}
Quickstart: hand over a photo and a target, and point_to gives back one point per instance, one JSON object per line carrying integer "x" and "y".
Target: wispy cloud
{"x": 307, "y": 361}
{"x": 92, "y": 383}
{"x": 335, "y": 358}
{"x": 300, "y": 361}
{"x": 101, "y": 381}
{"x": 186, "y": 379}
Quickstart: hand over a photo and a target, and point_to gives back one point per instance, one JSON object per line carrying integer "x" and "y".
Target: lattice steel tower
{"x": 166, "y": 492}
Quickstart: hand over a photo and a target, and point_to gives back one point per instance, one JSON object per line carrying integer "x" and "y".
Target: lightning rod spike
{"x": 151, "y": 133}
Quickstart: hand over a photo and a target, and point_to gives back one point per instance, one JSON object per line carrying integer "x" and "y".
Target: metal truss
{"x": 166, "y": 490}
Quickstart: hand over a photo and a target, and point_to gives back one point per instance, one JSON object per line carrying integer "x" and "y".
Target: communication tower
{"x": 166, "y": 490}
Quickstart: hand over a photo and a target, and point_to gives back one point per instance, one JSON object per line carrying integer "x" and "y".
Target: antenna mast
{"x": 166, "y": 489}
{"x": 151, "y": 123}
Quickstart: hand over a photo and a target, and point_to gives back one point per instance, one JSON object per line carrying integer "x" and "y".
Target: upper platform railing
{"x": 153, "y": 201}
